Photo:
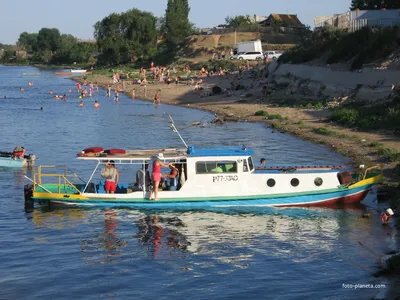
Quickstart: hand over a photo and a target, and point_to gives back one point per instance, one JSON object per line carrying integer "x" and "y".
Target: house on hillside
{"x": 282, "y": 20}
{"x": 257, "y": 18}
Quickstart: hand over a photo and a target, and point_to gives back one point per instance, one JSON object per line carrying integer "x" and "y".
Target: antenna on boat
{"x": 176, "y": 130}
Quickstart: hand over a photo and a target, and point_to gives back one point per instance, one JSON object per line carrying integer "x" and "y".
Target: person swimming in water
{"x": 96, "y": 104}
{"x": 81, "y": 104}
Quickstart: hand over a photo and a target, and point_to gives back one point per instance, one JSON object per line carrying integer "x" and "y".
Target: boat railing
{"x": 370, "y": 170}
{"x": 62, "y": 176}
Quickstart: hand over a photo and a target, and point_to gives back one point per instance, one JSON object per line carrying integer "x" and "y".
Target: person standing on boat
{"x": 156, "y": 175}
{"x": 111, "y": 174}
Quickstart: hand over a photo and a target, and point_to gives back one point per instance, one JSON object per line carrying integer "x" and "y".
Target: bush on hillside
{"x": 377, "y": 117}
{"x": 312, "y": 46}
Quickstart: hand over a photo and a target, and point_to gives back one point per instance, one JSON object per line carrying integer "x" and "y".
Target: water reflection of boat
{"x": 58, "y": 218}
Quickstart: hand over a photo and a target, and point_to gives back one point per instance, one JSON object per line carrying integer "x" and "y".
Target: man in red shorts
{"x": 111, "y": 174}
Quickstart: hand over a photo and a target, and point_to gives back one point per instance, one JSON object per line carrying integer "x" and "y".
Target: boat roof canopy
{"x": 239, "y": 151}
{"x": 168, "y": 154}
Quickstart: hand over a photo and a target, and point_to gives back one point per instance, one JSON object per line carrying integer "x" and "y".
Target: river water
{"x": 263, "y": 253}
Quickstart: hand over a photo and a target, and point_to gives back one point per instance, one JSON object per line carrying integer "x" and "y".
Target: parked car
{"x": 254, "y": 55}
{"x": 272, "y": 54}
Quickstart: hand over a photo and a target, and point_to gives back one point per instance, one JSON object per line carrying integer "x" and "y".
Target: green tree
{"x": 7, "y": 56}
{"x": 46, "y": 56}
{"x": 125, "y": 37}
{"x": 82, "y": 51}
{"x": 48, "y": 39}
{"x": 108, "y": 38}
{"x": 28, "y": 41}
{"x": 64, "y": 52}
{"x": 374, "y": 4}
{"x": 177, "y": 25}
{"x": 238, "y": 22}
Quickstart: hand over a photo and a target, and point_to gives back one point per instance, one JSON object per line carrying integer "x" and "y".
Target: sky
{"x": 77, "y": 17}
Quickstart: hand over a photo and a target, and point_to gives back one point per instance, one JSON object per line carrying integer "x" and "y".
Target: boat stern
{"x": 371, "y": 176}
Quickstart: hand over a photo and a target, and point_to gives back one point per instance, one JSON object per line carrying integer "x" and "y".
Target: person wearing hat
{"x": 111, "y": 175}
{"x": 385, "y": 217}
{"x": 156, "y": 175}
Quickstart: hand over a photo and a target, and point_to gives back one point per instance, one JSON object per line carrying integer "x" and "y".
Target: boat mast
{"x": 176, "y": 130}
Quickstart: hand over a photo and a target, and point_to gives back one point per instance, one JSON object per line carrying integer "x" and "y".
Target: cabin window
{"x": 251, "y": 165}
{"x": 271, "y": 182}
{"x": 245, "y": 166}
{"x": 318, "y": 181}
{"x": 294, "y": 182}
{"x": 205, "y": 167}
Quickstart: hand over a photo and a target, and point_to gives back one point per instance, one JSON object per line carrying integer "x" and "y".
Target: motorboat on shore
{"x": 69, "y": 74}
{"x": 9, "y": 160}
{"x": 74, "y": 70}
{"x": 219, "y": 177}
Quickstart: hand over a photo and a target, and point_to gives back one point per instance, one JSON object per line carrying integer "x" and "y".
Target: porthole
{"x": 271, "y": 182}
{"x": 318, "y": 181}
{"x": 294, "y": 182}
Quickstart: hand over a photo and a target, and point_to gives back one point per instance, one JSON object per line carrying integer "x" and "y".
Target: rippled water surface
{"x": 120, "y": 254}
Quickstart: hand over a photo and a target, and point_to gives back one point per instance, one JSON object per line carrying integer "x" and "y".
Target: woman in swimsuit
{"x": 156, "y": 176}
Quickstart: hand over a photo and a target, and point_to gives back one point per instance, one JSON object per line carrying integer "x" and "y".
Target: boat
{"x": 8, "y": 160}
{"x": 218, "y": 177}
{"x": 73, "y": 70}
{"x": 69, "y": 74}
